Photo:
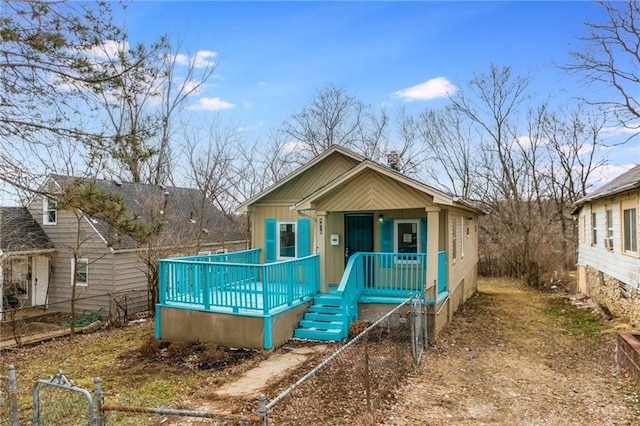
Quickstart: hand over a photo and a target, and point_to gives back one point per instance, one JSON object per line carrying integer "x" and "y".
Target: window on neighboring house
{"x": 594, "y": 230}
{"x": 50, "y": 212}
{"x": 81, "y": 272}
{"x": 582, "y": 229}
{"x": 286, "y": 240}
{"x": 630, "y": 230}
{"x": 454, "y": 238}
{"x": 462, "y": 237}
{"x": 19, "y": 275}
{"x": 608, "y": 243}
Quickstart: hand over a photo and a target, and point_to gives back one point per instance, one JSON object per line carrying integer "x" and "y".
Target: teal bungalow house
{"x": 341, "y": 238}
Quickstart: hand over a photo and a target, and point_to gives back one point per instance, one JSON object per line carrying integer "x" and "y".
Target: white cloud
{"x": 262, "y": 83}
{"x": 109, "y": 49}
{"x": 213, "y": 104}
{"x": 438, "y": 87}
{"x": 621, "y": 130}
{"x": 192, "y": 87}
{"x": 202, "y": 58}
{"x": 293, "y": 146}
{"x": 607, "y": 173}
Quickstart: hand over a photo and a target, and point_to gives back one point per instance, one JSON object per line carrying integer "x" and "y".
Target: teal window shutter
{"x": 270, "y": 240}
{"x": 423, "y": 235}
{"x": 386, "y": 241}
{"x": 303, "y": 238}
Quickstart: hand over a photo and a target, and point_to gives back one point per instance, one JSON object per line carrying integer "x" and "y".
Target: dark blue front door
{"x": 358, "y": 231}
{"x": 358, "y": 236}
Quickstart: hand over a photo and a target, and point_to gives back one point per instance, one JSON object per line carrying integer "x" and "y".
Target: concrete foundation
{"x": 227, "y": 329}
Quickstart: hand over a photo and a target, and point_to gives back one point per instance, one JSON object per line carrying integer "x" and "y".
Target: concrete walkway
{"x": 278, "y": 365}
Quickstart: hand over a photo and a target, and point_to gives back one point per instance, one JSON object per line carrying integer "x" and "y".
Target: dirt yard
{"x": 513, "y": 356}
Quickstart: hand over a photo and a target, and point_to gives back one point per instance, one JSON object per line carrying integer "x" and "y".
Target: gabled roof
{"x": 300, "y": 170}
{"x": 19, "y": 232}
{"x": 436, "y": 195}
{"x": 179, "y": 207}
{"x": 625, "y": 182}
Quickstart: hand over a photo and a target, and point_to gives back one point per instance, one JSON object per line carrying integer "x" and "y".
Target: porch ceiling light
{"x": 380, "y": 218}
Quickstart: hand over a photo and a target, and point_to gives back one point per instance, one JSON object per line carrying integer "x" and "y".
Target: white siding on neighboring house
{"x": 613, "y": 261}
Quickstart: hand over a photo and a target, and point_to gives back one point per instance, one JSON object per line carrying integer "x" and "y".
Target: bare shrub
{"x": 358, "y": 327}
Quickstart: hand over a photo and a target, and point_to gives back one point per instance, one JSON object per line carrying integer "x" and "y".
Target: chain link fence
{"x": 348, "y": 387}
{"x": 58, "y": 401}
{"x": 28, "y": 325}
{"x": 351, "y": 385}
{"x": 9, "y": 398}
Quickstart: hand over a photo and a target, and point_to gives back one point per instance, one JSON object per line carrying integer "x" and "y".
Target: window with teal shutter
{"x": 304, "y": 248}
{"x": 386, "y": 241}
{"x": 423, "y": 235}
{"x": 269, "y": 240}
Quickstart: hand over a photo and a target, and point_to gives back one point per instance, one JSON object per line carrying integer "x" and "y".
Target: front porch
{"x": 234, "y": 300}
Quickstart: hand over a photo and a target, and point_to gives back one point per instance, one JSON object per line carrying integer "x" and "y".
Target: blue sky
{"x": 272, "y": 56}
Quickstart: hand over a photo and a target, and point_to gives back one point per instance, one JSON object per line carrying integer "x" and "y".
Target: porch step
{"x": 321, "y": 325}
{"x": 325, "y": 335}
{"x": 323, "y": 320}
{"x": 326, "y": 309}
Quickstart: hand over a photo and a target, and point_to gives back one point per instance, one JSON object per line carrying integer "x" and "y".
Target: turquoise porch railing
{"x": 246, "y": 256}
{"x": 385, "y": 275}
{"x": 381, "y": 275}
{"x": 257, "y": 288}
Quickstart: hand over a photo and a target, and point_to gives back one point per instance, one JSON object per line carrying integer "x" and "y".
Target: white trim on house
{"x": 85, "y": 261}
{"x": 47, "y": 211}
{"x": 279, "y": 237}
{"x": 244, "y": 207}
{"x": 438, "y": 197}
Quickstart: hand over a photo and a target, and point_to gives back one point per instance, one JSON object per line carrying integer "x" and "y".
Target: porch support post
{"x": 433, "y": 237}
{"x": 321, "y": 240}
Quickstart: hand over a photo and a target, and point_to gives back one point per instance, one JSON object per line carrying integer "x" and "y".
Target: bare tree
{"x": 141, "y": 107}
{"x": 611, "y": 55}
{"x": 449, "y": 147}
{"x": 575, "y": 147}
{"x": 48, "y": 62}
{"x": 334, "y": 117}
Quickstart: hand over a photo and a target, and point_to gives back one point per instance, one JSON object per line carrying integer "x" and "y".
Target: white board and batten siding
{"x": 613, "y": 261}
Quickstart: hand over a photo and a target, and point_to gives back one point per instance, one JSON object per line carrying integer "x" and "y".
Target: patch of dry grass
{"x": 136, "y": 369}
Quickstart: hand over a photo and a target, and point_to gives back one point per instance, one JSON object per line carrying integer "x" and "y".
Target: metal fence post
{"x": 99, "y": 397}
{"x": 13, "y": 395}
{"x": 262, "y": 409}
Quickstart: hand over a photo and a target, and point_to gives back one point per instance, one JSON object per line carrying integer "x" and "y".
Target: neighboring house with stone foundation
{"x": 609, "y": 245}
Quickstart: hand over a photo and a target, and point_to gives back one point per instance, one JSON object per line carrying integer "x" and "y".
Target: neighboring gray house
{"x": 609, "y": 241}
{"x": 110, "y": 263}
{"x": 25, "y": 254}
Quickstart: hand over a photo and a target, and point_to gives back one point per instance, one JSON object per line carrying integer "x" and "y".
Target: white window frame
{"x": 85, "y": 261}
{"x": 399, "y": 259}
{"x": 608, "y": 216}
{"x": 295, "y": 240}
{"x": 462, "y": 236}
{"x": 594, "y": 228}
{"x": 454, "y": 238}
{"x": 634, "y": 237}
{"x": 46, "y": 209}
